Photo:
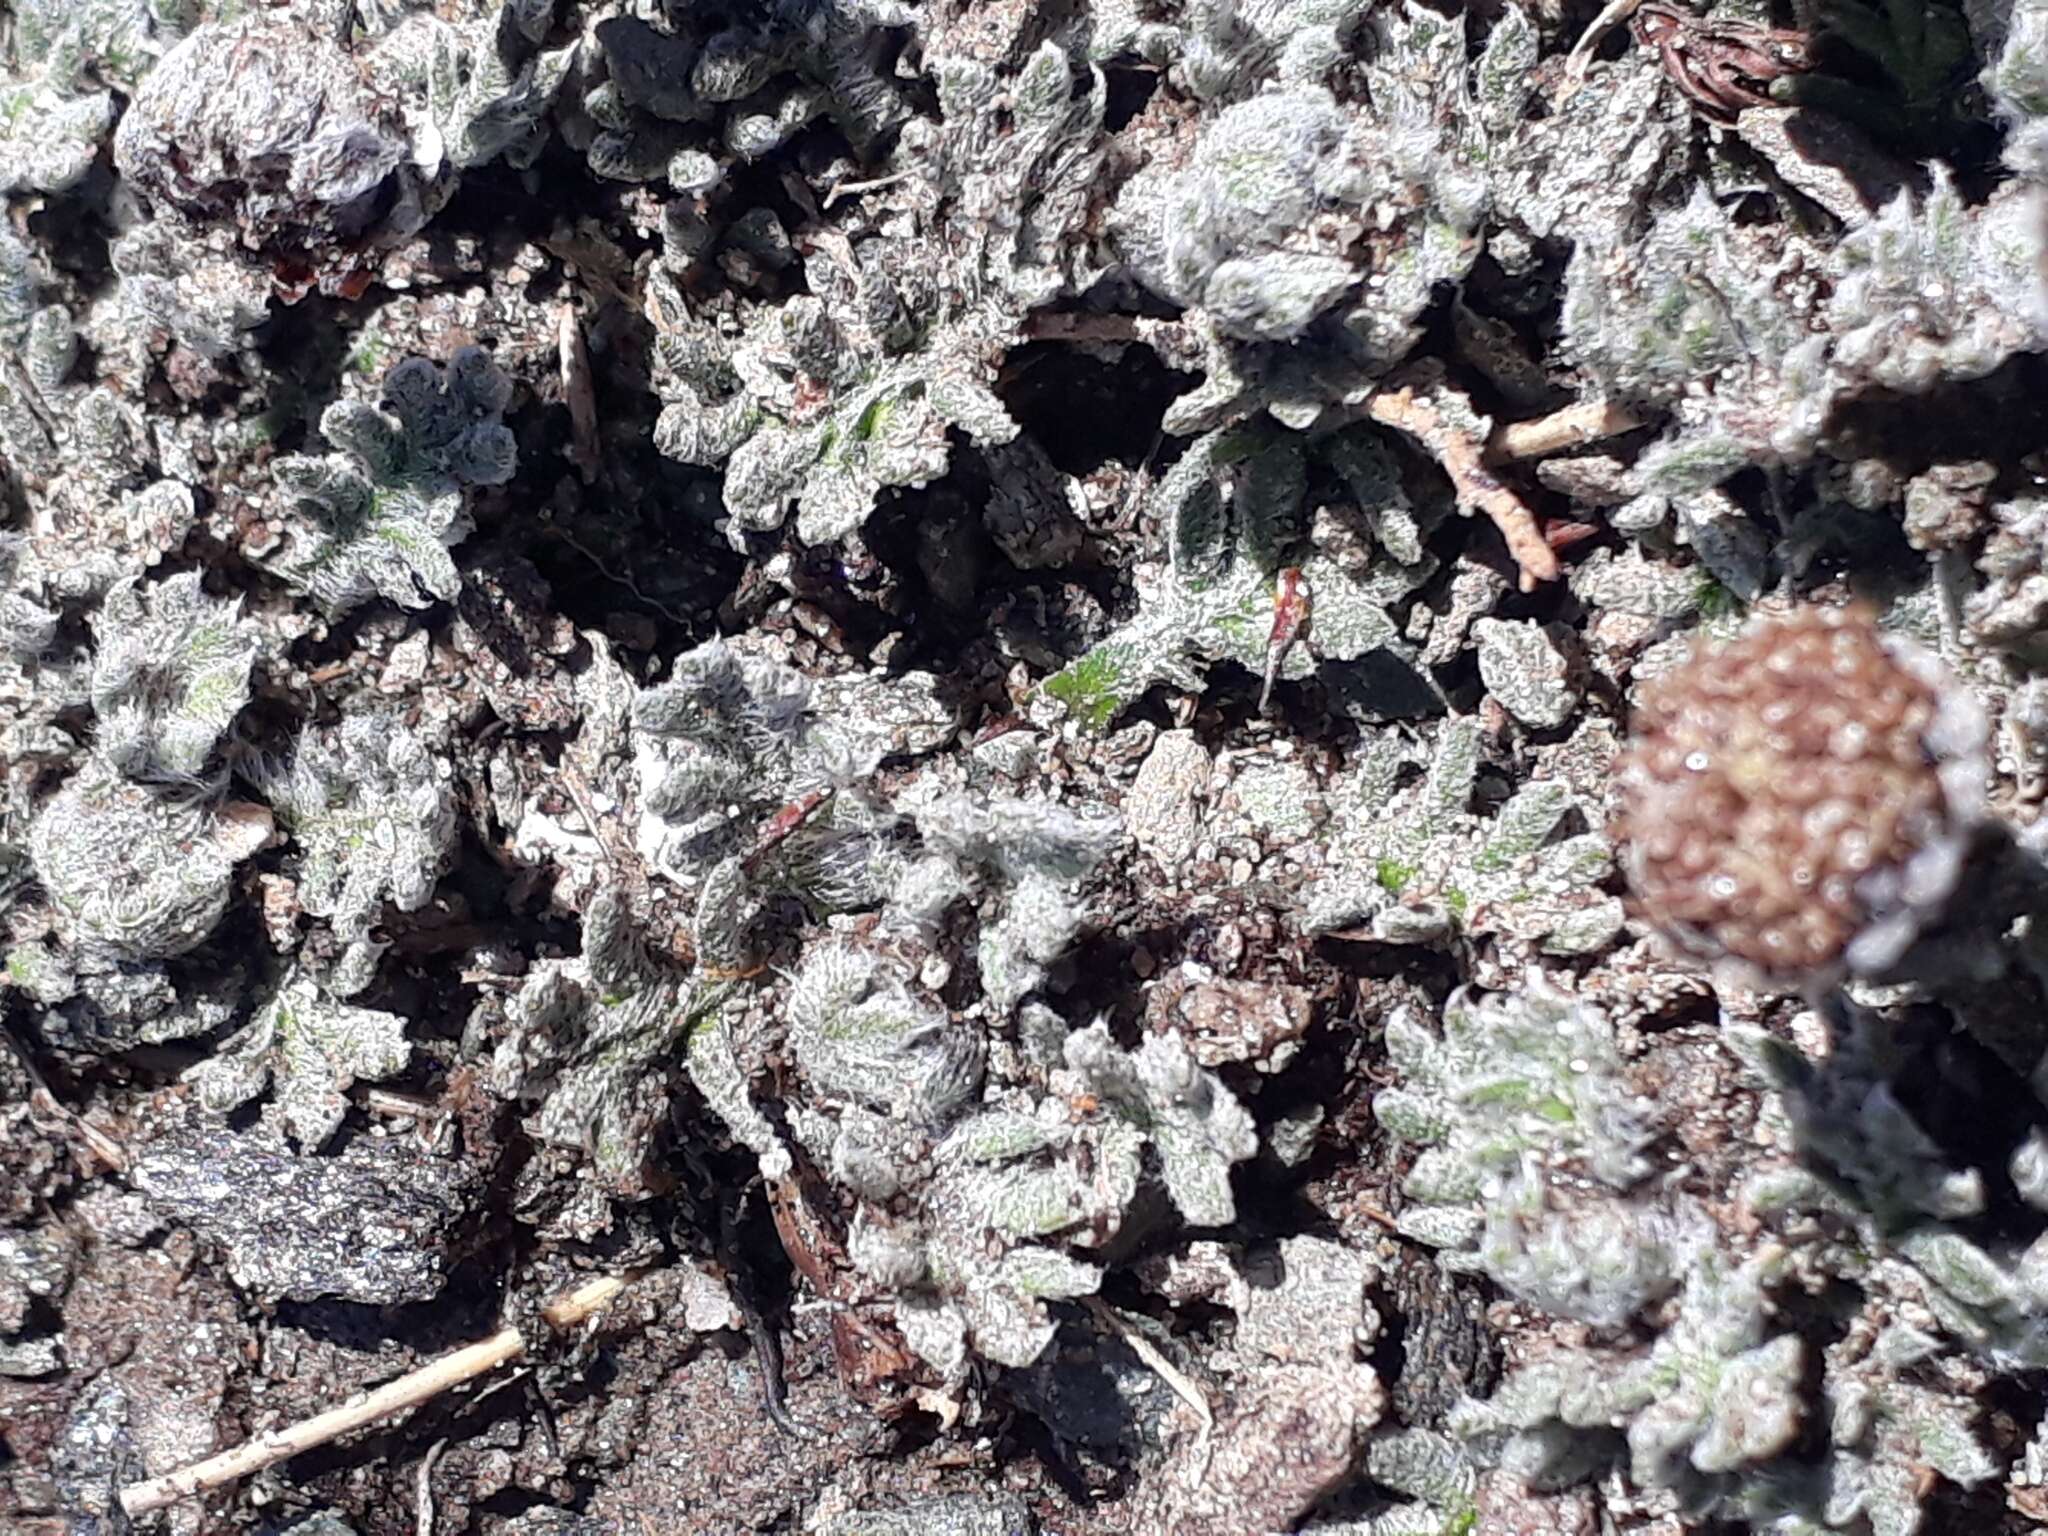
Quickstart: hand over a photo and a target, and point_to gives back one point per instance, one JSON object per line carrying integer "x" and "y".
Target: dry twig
{"x": 41, "y": 1101}
{"x": 1581, "y": 57}
{"x": 423, "y": 1489}
{"x": 1415, "y": 407}
{"x": 1163, "y": 1368}
{"x": 569, "y": 1310}
{"x": 580, "y": 393}
{"x": 848, "y": 188}
{"x": 1573, "y": 426}
{"x": 585, "y": 802}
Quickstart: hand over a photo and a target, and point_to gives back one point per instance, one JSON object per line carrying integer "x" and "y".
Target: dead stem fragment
{"x": 569, "y": 1310}
{"x": 1572, "y": 426}
{"x": 1424, "y": 407}
{"x": 579, "y": 390}
{"x": 1581, "y": 57}
{"x": 1147, "y": 1351}
{"x": 43, "y": 1102}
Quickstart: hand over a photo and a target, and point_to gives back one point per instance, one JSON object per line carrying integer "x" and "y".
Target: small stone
{"x": 1292, "y": 1135}
{"x": 29, "y": 1358}
{"x": 1629, "y": 581}
{"x": 406, "y": 667}
{"x": 1290, "y": 1434}
{"x": 1304, "y": 1301}
{"x": 1013, "y": 754}
{"x": 705, "y": 1303}
{"x": 1508, "y": 1508}
{"x": 35, "y": 1267}
{"x": 1236, "y": 1021}
{"x": 369, "y": 1225}
{"x": 1161, "y": 809}
{"x": 1640, "y": 514}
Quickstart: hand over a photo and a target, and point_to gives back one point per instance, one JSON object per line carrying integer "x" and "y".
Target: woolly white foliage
{"x": 310, "y": 1048}
{"x": 372, "y": 814}
{"x": 378, "y": 518}
{"x": 1415, "y": 864}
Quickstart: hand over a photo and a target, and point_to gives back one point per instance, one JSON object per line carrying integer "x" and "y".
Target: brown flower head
{"x": 1798, "y": 798}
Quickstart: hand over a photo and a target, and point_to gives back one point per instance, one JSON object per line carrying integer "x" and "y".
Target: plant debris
{"x": 1112, "y": 767}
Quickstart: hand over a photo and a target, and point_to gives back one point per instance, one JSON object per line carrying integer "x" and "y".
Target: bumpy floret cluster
{"x": 1795, "y": 798}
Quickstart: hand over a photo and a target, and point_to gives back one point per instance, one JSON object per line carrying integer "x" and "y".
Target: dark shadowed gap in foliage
{"x": 495, "y": 201}
{"x": 1977, "y": 1110}
{"x": 1104, "y": 980}
{"x": 77, "y": 232}
{"x": 511, "y": 1503}
{"x": 1980, "y": 419}
{"x": 1272, "y": 1199}
{"x": 657, "y": 555}
{"x": 938, "y": 557}
{"x": 1434, "y": 970}
{"x": 642, "y": 540}
{"x": 1318, "y": 1077}
{"x": 309, "y": 344}
{"x": 955, "y": 585}
{"x": 717, "y": 1211}
{"x": 1100, "y": 1402}
{"x": 1695, "y": 1011}
{"x": 466, "y": 1309}
{"x": 658, "y": 560}
{"x": 1821, "y": 1320}
{"x": 952, "y": 592}
{"x": 1434, "y": 1347}
{"x": 1087, "y": 409}
{"x": 1911, "y": 88}
{"x": 1129, "y": 92}
{"x": 1086, "y": 1480}
{"x": 2011, "y": 1410}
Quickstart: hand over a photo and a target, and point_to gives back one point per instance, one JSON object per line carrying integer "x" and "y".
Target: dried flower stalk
{"x": 569, "y": 1310}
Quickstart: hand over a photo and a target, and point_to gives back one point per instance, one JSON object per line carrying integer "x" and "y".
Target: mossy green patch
{"x": 1092, "y": 688}
{"x": 1717, "y": 602}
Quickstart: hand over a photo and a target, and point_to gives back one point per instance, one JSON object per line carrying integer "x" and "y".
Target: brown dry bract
{"x": 1723, "y": 67}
